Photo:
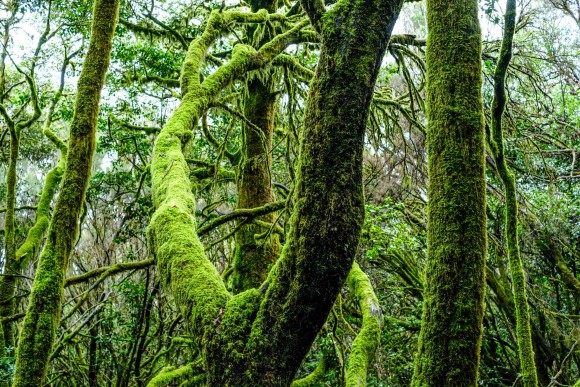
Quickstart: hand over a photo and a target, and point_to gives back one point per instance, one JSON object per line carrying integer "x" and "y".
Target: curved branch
{"x": 523, "y": 327}
{"x": 108, "y": 271}
{"x": 315, "y": 376}
{"x": 21, "y": 208}
{"x": 249, "y": 213}
{"x": 365, "y": 344}
{"x": 126, "y": 125}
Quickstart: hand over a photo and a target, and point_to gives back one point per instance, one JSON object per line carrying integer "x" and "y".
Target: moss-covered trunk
{"x": 450, "y": 338}
{"x": 523, "y": 328}
{"x": 8, "y": 280}
{"x": 28, "y": 249}
{"x": 43, "y": 314}
{"x": 259, "y": 337}
{"x": 254, "y": 258}
{"x": 6, "y": 300}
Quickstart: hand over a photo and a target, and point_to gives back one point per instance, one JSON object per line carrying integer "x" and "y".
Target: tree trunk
{"x": 450, "y": 338}
{"x": 8, "y": 280}
{"x": 43, "y": 314}
{"x": 260, "y": 337}
{"x": 523, "y": 328}
{"x": 253, "y": 259}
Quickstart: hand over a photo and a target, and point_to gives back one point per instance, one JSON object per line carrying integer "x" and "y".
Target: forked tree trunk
{"x": 259, "y": 337}
{"x": 290, "y": 310}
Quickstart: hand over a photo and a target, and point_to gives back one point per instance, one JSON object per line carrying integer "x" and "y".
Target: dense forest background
{"x": 120, "y": 326}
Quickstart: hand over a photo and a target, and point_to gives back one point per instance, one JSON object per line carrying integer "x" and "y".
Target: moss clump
{"x": 314, "y": 378}
{"x": 171, "y": 375}
{"x": 365, "y": 344}
{"x": 31, "y": 244}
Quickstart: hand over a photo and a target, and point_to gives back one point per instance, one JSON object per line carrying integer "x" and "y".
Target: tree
{"x": 496, "y": 140}
{"x": 254, "y": 258}
{"x": 43, "y": 315}
{"x": 262, "y": 335}
{"x": 451, "y": 327}
{"x": 251, "y": 194}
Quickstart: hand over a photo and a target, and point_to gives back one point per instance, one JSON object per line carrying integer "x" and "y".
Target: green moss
{"x": 43, "y": 313}
{"x": 296, "y": 68}
{"x": 27, "y": 250}
{"x": 193, "y": 281}
{"x": 450, "y": 338}
{"x": 313, "y": 379}
{"x": 171, "y": 375}
{"x": 523, "y": 328}
{"x": 254, "y": 258}
{"x": 365, "y": 344}
{"x": 31, "y": 244}
{"x": 226, "y": 353}
{"x": 10, "y": 267}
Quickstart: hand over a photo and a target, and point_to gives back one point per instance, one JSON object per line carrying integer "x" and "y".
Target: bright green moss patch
{"x": 365, "y": 344}
{"x": 170, "y": 376}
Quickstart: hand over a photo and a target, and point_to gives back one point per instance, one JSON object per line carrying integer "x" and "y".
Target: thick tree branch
{"x": 315, "y": 10}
